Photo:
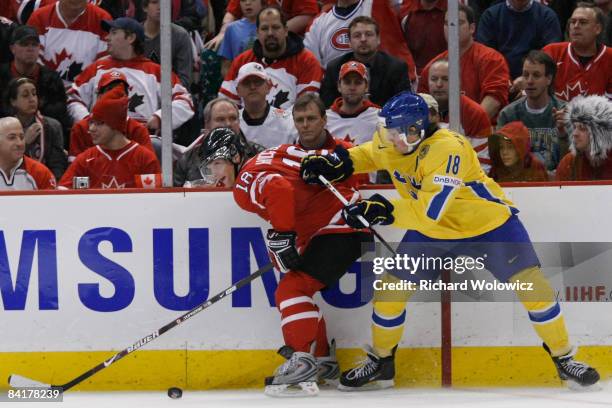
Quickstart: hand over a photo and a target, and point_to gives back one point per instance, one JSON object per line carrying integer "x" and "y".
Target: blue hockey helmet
{"x": 406, "y": 114}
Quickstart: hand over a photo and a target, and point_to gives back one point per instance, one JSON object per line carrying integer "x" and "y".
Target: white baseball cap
{"x": 252, "y": 69}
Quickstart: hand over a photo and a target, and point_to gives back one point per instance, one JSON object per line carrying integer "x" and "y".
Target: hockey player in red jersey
{"x": 115, "y": 160}
{"x": 309, "y": 240}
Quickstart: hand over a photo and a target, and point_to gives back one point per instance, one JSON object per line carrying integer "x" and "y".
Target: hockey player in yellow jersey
{"x": 444, "y": 197}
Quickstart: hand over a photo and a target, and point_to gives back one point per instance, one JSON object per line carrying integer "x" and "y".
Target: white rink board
{"x": 129, "y": 220}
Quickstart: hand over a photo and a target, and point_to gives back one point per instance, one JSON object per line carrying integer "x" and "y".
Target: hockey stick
{"x": 17, "y": 381}
{"x": 365, "y": 222}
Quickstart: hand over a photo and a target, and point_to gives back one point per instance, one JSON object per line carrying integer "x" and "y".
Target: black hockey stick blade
{"x": 18, "y": 381}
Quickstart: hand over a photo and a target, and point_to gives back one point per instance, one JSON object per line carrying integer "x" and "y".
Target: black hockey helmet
{"x": 222, "y": 143}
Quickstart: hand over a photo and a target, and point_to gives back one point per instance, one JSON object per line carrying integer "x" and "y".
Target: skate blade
{"x": 372, "y": 386}
{"x": 303, "y": 389}
{"x": 577, "y": 387}
{"x": 326, "y": 383}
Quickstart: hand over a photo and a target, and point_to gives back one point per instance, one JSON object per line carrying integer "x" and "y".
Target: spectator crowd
{"x": 80, "y": 84}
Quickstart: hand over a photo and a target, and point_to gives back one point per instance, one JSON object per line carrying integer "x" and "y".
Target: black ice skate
{"x": 373, "y": 373}
{"x": 296, "y": 377}
{"x": 328, "y": 368}
{"x": 574, "y": 372}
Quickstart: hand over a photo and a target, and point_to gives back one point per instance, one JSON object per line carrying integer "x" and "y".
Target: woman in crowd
{"x": 43, "y": 135}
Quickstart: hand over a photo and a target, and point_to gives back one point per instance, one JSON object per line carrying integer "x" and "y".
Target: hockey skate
{"x": 373, "y": 373}
{"x": 577, "y": 375}
{"x": 328, "y": 368}
{"x": 296, "y": 377}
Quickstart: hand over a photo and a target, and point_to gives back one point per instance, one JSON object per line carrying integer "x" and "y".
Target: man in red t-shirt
{"x": 115, "y": 160}
{"x": 485, "y": 76}
{"x": 422, "y": 23}
{"x": 584, "y": 65}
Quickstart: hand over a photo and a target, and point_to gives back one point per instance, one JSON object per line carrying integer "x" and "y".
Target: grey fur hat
{"x": 596, "y": 113}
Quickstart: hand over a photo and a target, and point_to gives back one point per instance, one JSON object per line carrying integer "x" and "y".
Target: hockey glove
{"x": 376, "y": 210}
{"x": 335, "y": 167}
{"x": 281, "y": 247}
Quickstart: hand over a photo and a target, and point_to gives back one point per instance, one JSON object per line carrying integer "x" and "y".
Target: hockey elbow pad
{"x": 335, "y": 167}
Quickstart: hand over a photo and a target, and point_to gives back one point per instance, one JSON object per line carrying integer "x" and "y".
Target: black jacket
{"x": 51, "y": 96}
{"x": 6, "y": 28}
{"x": 388, "y": 77}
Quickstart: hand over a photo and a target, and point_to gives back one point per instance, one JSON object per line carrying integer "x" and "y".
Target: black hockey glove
{"x": 335, "y": 167}
{"x": 281, "y": 247}
{"x": 376, "y": 210}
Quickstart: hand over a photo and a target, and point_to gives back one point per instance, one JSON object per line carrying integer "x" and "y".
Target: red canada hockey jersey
{"x": 28, "y": 175}
{"x": 144, "y": 77}
{"x": 291, "y": 76}
{"x": 269, "y": 185}
{"x": 68, "y": 49}
{"x": 111, "y": 168}
{"x": 80, "y": 139}
{"x": 573, "y": 79}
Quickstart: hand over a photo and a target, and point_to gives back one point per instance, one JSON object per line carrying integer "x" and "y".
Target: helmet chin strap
{"x": 412, "y": 146}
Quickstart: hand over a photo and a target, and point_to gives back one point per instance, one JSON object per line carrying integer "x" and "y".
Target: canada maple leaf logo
{"x": 349, "y": 139}
{"x": 280, "y": 98}
{"x": 135, "y": 101}
{"x": 58, "y": 59}
{"x": 147, "y": 181}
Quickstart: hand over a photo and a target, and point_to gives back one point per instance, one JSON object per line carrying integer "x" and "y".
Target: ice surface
{"x": 404, "y": 398}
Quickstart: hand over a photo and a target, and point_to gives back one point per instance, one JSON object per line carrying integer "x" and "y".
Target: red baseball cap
{"x": 353, "y": 66}
{"x": 111, "y": 76}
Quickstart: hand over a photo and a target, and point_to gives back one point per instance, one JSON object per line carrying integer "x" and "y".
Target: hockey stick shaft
{"x": 19, "y": 381}
{"x": 365, "y": 222}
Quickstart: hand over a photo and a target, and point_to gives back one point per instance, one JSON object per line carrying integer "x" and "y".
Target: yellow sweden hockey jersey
{"x": 444, "y": 192}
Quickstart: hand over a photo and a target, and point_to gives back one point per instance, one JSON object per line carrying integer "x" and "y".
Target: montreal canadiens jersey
{"x": 573, "y": 79}
{"x": 68, "y": 49}
{"x": 144, "y": 78}
{"x": 28, "y": 175}
{"x": 270, "y": 185}
{"x": 111, "y": 168}
{"x": 444, "y": 192}
{"x": 277, "y": 128}
{"x": 327, "y": 37}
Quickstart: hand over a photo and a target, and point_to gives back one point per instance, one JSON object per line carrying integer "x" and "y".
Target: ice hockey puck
{"x": 175, "y": 393}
